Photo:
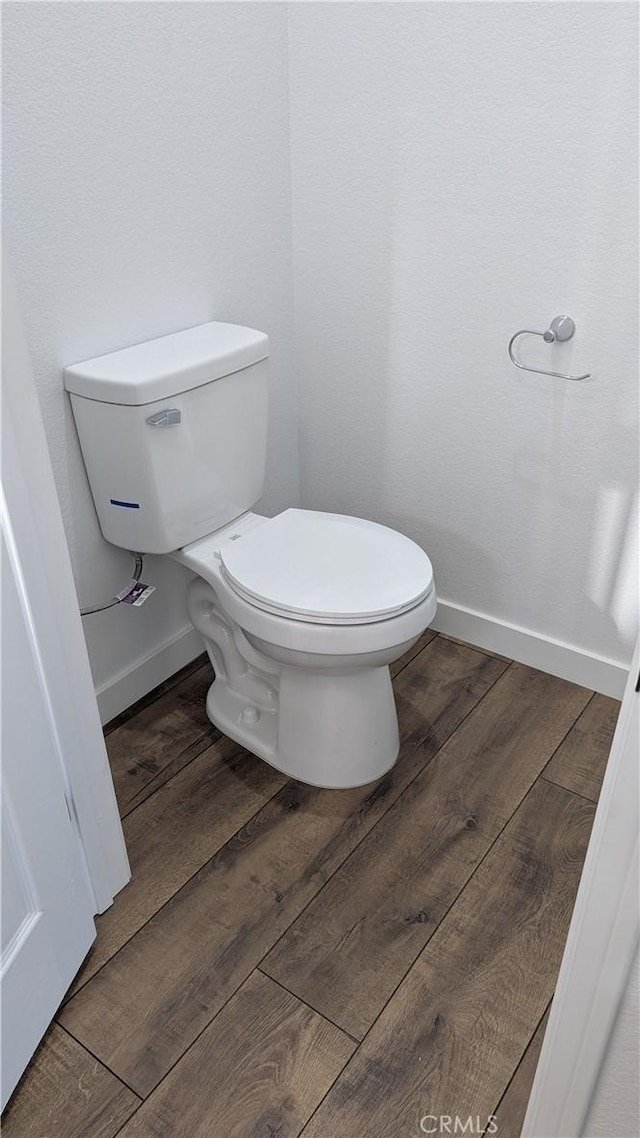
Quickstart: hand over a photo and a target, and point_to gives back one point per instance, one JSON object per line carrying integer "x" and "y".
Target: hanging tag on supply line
{"x": 135, "y": 593}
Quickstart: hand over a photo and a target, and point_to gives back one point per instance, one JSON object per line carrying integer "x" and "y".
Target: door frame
{"x": 601, "y": 945}
{"x": 36, "y": 521}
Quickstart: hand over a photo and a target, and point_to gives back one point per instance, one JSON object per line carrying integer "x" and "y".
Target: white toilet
{"x": 301, "y": 614}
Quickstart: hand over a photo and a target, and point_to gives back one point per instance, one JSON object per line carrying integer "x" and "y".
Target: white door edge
{"x": 600, "y": 949}
{"x": 40, "y": 538}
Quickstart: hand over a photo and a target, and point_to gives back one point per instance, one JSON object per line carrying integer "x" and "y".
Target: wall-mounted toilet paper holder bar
{"x": 560, "y": 329}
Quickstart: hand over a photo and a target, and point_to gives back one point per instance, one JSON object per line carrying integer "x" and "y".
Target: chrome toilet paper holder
{"x": 560, "y": 329}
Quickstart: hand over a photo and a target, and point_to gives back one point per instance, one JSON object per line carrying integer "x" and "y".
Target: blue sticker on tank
{"x": 127, "y": 505}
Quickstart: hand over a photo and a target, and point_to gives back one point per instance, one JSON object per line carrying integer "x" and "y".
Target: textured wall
{"x": 616, "y": 1102}
{"x": 147, "y": 189}
{"x": 461, "y": 171}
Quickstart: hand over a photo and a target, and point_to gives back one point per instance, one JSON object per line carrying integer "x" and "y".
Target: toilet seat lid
{"x": 327, "y": 568}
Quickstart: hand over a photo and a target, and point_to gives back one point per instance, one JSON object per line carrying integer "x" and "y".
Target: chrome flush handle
{"x": 168, "y": 417}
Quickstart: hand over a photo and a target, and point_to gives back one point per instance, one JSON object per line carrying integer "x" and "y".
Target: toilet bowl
{"x": 301, "y": 652}
{"x": 301, "y": 614}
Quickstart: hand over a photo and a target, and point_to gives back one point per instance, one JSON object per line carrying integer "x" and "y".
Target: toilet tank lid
{"x": 168, "y": 365}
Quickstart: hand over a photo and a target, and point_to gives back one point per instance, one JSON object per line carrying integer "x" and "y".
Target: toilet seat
{"x": 326, "y": 569}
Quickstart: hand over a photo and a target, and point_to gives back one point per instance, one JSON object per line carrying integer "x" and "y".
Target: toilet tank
{"x": 173, "y": 433}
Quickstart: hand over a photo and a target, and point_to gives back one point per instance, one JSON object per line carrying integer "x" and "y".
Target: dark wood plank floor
{"x": 292, "y": 961}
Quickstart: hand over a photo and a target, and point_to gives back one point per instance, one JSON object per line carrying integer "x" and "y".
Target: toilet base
{"x": 326, "y": 720}
{"x": 330, "y": 729}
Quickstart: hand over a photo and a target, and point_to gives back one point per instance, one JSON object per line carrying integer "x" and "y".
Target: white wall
{"x": 146, "y": 189}
{"x": 458, "y": 171}
{"x": 461, "y": 171}
{"x": 616, "y": 1102}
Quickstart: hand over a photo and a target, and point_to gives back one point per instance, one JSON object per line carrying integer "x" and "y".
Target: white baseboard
{"x": 147, "y": 672}
{"x": 563, "y": 660}
{"x": 574, "y": 664}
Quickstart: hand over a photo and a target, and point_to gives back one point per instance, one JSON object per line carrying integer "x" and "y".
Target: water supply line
{"x": 137, "y": 574}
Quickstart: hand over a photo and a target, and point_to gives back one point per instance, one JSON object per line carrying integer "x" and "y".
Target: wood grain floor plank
{"x": 353, "y": 944}
{"x": 579, "y": 764}
{"x": 66, "y": 1093}
{"x": 142, "y": 1010}
{"x": 155, "y": 693}
{"x": 171, "y": 835}
{"x": 487, "y": 651}
{"x": 259, "y": 1070}
{"x": 513, "y": 1104}
{"x": 152, "y": 745}
{"x": 452, "y": 1035}
{"x": 427, "y": 636}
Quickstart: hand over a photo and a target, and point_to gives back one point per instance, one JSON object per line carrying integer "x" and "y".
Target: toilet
{"x": 301, "y": 614}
